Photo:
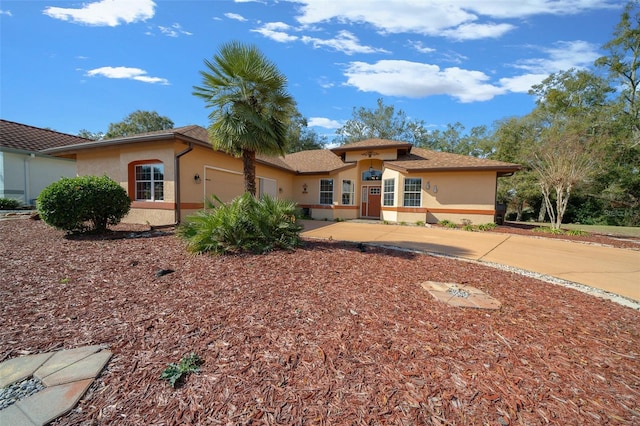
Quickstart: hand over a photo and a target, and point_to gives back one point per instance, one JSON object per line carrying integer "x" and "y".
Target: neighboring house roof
{"x": 28, "y": 138}
{"x": 315, "y": 161}
{"x": 421, "y": 160}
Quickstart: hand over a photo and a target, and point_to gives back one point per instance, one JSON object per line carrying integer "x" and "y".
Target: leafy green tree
{"x": 250, "y": 107}
{"x": 138, "y": 122}
{"x": 84, "y": 203}
{"x": 384, "y": 122}
{"x": 301, "y": 138}
{"x": 94, "y": 136}
{"x": 454, "y": 140}
{"x": 619, "y": 183}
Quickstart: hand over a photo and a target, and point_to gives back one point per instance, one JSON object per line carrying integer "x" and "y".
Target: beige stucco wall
{"x": 379, "y": 154}
{"x": 455, "y": 196}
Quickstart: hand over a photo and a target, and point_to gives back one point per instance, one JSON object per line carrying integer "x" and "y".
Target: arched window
{"x": 372, "y": 174}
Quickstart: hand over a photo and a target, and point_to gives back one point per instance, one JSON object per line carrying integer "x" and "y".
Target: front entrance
{"x": 370, "y": 204}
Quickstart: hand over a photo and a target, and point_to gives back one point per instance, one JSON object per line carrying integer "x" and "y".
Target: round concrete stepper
{"x": 66, "y": 375}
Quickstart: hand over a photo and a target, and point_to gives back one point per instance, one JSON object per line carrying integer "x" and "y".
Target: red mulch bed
{"x": 327, "y": 334}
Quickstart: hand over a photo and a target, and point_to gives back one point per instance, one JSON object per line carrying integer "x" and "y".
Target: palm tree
{"x": 250, "y": 107}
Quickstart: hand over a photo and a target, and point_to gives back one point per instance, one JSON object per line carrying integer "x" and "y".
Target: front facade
{"x": 169, "y": 175}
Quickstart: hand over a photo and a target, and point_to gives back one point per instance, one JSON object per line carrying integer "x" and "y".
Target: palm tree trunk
{"x": 249, "y": 170}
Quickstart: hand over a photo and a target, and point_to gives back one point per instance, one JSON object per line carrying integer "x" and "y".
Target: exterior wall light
{"x": 196, "y": 178}
{"x": 304, "y": 188}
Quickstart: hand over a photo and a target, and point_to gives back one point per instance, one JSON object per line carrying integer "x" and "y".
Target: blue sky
{"x": 84, "y": 64}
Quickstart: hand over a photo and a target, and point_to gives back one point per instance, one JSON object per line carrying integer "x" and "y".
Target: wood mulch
{"x": 328, "y": 334}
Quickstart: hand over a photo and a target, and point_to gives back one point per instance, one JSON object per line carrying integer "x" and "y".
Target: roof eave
{"x": 340, "y": 149}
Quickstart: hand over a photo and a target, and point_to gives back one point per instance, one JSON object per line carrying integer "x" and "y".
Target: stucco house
{"x": 169, "y": 174}
{"x": 24, "y": 170}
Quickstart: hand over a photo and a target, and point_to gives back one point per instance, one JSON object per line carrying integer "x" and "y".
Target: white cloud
{"x": 460, "y": 19}
{"x": 174, "y": 30}
{"x": 417, "y": 80}
{"x": 323, "y": 122}
{"x": 562, "y": 57}
{"x": 105, "y": 12}
{"x": 417, "y": 45}
{"x": 473, "y": 31}
{"x": 276, "y": 31}
{"x": 6, "y": 12}
{"x": 344, "y": 42}
{"x": 236, "y": 17}
{"x": 126, "y": 73}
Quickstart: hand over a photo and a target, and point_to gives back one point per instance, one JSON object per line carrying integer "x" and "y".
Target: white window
{"x": 389, "y": 192}
{"x": 348, "y": 192}
{"x": 412, "y": 192}
{"x": 326, "y": 191}
{"x": 150, "y": 182}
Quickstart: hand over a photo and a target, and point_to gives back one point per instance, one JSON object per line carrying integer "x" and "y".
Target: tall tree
{"x": 87, "y": 134}
{"x": 454, "y": 140}
{"x": 300, "y": 137}
{"x": 623, "y": 64}
{"x": 383, "y": 122}
{"x": 138, "y": 122}
{"x": 561, "y": 162}
{"x": 250, "y": 107}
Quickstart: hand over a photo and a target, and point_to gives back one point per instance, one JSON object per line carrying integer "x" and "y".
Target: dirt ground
{"x": 328, "y": 334}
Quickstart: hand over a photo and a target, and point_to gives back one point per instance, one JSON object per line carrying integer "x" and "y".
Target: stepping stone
{"x": 51, "y": 403}
{"x": 64, "y": 358}
{"x": 462, "y": 296}
{"x": 17, "y": 369}
{"x": 13, "y": 416}
{"x": 86, "y": 368}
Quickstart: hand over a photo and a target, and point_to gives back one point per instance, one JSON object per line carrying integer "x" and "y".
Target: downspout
{"x": 27, "y": 179}
{"x": 177, "y": 179}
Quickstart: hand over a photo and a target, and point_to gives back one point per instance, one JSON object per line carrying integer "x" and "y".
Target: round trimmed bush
{"x": 83, "y": 204}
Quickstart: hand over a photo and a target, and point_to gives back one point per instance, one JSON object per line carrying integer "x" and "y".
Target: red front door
{"x": 370, "y": 205}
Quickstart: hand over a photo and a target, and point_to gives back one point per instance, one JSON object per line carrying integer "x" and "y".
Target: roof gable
{"x": 28, "y": 138}
{"x": 420, "y": 159}
{"x": 371, "y": 144}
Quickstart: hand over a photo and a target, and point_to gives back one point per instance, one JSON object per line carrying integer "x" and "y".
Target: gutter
{"x": 177, "y": 179}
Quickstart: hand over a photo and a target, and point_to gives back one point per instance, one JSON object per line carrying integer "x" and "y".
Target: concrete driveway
{"x": 610, "y": 269}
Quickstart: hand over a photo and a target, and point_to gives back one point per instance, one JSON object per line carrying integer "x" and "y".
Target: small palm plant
{"x": 243, "y": 225}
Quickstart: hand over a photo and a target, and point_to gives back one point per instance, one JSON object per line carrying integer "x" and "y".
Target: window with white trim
{"x": 149, "y": 182}
{"x": 348, "y": 192}
{"x": 326, "y": 191}
{"x": 389, "y": 188}
{"x": 412, "y": 192}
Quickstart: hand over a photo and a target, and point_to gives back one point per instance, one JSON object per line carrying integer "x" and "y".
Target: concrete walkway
{"x": 66, "y": 375}
{"x": 609, "y": 269}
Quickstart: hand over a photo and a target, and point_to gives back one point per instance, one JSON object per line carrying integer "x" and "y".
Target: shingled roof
{"x": 34, "y": 139}
{"x": 421, "y": 160}
{"x": 315, "y": 161}
{"x": 371, "y": 144}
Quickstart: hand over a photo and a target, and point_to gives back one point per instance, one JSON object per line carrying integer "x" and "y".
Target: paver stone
{"x": 51, "y": 403}
{"x": 87, "y": 368}
{"x": 13, "y": 416}
{"x": 64, "y": 358}
{"x": 17, "y": 369}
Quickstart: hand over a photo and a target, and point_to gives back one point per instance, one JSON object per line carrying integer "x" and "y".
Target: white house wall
{"x": 23, "y": 175}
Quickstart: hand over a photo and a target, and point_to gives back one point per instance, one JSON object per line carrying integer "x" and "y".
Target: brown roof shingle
{"x": 315, "y": 161}
{"x": 421, "y": 159}
{"x": 28, "y": 138}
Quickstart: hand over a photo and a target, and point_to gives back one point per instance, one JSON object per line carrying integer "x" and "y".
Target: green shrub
{"x": 547, "y": 230}
{"x": 84, "y": 203}
{"x": 469, "y": 227}
{"x": 243, "y": 225}
{"x": 447, "y": 224}
{"x": 420, "y": 223}
{"x": 487, "y": 226}
{"x": 9, "y": 204}
{"x": 578, "y": 232}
